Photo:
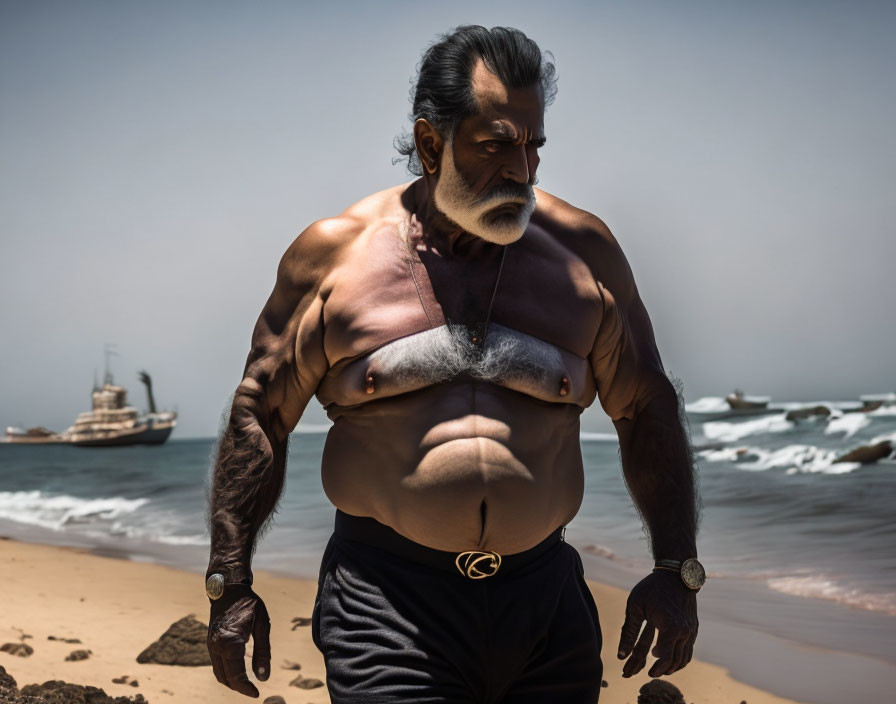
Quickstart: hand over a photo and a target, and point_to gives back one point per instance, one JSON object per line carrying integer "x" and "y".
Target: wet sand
{"x": 117, "y": 608}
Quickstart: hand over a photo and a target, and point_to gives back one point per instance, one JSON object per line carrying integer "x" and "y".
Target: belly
{"x": 458, "y": 466}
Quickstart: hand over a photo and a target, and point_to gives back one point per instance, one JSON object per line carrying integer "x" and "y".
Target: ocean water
{"x": 794, "y": 543}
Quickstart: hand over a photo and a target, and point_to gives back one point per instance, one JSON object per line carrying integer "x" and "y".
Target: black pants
{"x": 394, "y": 630}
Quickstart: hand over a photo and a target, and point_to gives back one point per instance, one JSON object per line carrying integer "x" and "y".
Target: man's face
{"x": 488, "y": 169}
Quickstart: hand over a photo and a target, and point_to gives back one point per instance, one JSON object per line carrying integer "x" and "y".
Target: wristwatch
{"x": 692, "y": 573}
{"x": 217, "y": 580}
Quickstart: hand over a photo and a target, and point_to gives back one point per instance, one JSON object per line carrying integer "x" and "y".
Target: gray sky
{"x": 156, "y": 159}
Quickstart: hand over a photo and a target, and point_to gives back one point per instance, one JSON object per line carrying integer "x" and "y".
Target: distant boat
{"x": 111, "y": 422}
{"x": 739, "y": 402}
{"x": 735, "y": 405}
{"x": 871, "y": 402}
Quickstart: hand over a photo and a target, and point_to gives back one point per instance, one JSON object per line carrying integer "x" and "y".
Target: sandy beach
{"x": 117, "y": 608}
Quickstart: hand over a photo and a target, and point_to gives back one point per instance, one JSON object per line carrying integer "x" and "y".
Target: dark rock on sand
{"x": 23, "y": 650}
{"x": 182, "y": 644}
{"x": 300, "y": 621}
{"x": 276, "y": 699}
{"x": 7, "y": 682}
{"x": 604, "y": 683}
{"x": 660, "y": 692}
{"x": 78, "y": 655}
{"x": 803, "y": 413}
{"x": 309, "y": 683}
{"x": 290, "y": 665}
{"x": 868, "y": 453}
{"x": 120, "y": 680}
{"x": 65, "y": 640}
{"x": 58, "y": 692}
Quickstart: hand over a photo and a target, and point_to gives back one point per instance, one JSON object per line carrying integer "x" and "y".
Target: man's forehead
{"x": 506, "y": 110}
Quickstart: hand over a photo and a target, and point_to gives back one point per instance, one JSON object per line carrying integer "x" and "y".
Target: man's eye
{"x": 491, "y": 146}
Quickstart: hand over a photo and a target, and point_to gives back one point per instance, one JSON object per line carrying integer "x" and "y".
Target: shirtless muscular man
{"x": 454, "y": 329}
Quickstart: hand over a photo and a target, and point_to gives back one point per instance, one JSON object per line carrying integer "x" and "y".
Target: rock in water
{"x": 804, "y": 413}
{"x": 182, "y": 644}
{"x": 867, "y": 454}
{"x": 660, "y": 692}
{"x": 23, "y": 650}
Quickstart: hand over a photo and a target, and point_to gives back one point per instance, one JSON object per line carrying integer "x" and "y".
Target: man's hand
{"x": 661, "y": 599}
{"x": 239, "y": 613}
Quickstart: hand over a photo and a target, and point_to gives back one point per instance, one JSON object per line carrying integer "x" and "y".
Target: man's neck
{"x": 433, "y": 229}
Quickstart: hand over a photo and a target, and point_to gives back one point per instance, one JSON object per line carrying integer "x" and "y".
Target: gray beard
{"x": 455, "y": 200}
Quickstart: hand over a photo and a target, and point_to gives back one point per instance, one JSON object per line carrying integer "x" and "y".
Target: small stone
{"x": 290, "y": 665}
{"x": 301, "y": 621}
{"x": 134, "y": 683}
{"x": 310, "y": 683}
{"x": 51, "y": 637}
{"x": 72, "y": 640}
{"x": 276, "y": 699}
{"x": 660, "y": 692}
{"x": 604, "y": 683}
{"x": 120, "y": 680}
{"x": 78, "y": 655}
{"x": 23, "y": 650}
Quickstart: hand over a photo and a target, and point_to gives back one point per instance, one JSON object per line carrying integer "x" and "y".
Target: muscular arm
{"x": 284, "y": 367}
{"x": 656, "y": 462}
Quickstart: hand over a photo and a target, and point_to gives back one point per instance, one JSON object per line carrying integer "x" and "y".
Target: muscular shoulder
{"x": 317, "y": 251}
{"x": 589, "y": 238}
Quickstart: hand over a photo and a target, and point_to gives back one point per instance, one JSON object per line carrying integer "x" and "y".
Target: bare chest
{"x": 398, "y": 319}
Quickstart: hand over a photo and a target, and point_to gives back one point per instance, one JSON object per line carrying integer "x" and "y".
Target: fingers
{"x": 237, "y": 679}
{"x": 633, "y": 620}
{"x": 639, "y": 655}
{"x": 261, "y": 637}
{"x": 218, "y": 668}
{"x": 687, "y": 653}
{"x": 665, "y": 653}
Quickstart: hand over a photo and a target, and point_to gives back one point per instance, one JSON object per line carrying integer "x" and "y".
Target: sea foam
{"x": 56, "y": 512}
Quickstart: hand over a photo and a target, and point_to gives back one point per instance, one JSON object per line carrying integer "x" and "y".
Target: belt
{"x": 475, "y": 564}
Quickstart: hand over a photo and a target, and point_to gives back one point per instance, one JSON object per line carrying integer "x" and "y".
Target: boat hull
{"x": 143, "y": 436}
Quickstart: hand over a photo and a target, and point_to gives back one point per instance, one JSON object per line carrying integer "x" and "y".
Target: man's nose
{"x": 517, "y": 166}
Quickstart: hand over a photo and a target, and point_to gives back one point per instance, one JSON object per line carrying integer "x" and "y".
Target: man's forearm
{"x": 247, "y": 481}
{"x": 659, "y": 471}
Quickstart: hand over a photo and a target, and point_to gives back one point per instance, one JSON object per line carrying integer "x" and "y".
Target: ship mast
{"x": 108, "y": 351}
{"x": 146, "y": 379}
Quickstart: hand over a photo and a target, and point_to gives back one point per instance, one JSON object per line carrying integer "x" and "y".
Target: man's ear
{"x": 429, "y": 144}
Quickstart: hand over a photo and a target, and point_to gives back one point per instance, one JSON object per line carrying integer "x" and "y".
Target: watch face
{"x": 692, "y": 573}
{"x": 214, "y": 586}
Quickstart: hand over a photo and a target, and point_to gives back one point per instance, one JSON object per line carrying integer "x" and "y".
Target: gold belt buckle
{"x": 476, "y": 564}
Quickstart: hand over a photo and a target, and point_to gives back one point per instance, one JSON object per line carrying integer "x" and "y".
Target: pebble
{"x": 290, "y": 665}
{"x": 23, "y": 650}
{"x": 276, "y": 699}
{"x": 79, "y": 655}
{"x": 310, "y": 683}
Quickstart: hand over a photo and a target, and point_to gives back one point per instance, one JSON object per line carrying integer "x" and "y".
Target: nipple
{"x": 369, "y": 383}
{"x": 564, "y": 386}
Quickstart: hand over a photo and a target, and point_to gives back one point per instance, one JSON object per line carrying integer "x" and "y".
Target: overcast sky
{"x": 157, "y": 158}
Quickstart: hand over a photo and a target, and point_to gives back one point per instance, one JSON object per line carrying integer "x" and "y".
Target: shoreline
{"x": 70, "y": 592}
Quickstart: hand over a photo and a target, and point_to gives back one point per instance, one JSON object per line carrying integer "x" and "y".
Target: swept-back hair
{"x": 443, "y": 91}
